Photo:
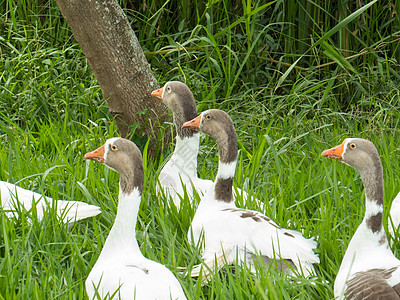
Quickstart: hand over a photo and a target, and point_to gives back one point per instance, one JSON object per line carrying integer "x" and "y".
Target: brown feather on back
{"x": 372, "y": 285}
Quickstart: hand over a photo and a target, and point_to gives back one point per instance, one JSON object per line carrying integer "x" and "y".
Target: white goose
{"x": 180, "y": 172}
{"x": 15, "y": 198}
{"x": 121, "y": 268}
{"x": 234, "y": 234}
{"x": 369, "y": 270}
{"x": 394, "y": 221}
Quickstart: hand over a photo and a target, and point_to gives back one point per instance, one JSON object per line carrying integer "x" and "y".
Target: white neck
{"x": 372, "y": 208}
{"x": 364, "y": 243}
{"x": 122, "y": 235}
{"x": 183, "y": 161}
{"x": 226, "y": 171}
{"x": 364, "y": 237}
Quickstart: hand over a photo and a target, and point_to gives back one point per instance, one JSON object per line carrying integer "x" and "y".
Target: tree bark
{"x": 103, "y": 32}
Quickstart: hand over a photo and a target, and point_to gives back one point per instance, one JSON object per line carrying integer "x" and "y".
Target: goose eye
{"x": 114, "y": 148}
{"x": 168, "y": 89}
{"x": 353, "y": 146}
{"x": 208, "y": 117}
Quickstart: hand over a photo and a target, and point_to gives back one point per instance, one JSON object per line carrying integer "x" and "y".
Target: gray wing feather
{"x": 372, "y": 285}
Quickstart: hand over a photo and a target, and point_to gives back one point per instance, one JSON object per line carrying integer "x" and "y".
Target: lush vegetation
{"x": 296, "y": 77}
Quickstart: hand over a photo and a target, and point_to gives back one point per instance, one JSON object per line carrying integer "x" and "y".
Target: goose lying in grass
{"x": 369, "y": 270}
{"x": 180, "y": 172}
{"x": 394, "y": 220}
{"x": 121, "y": 269}
{"x": 15, "y": 198}
{"x": 235, "y": 234}
{"x": 181, "y": 169}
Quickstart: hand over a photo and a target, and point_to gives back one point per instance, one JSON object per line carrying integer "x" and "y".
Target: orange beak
{"x": 158, "y": 93}
{"x": 335, "y": 152}
{"x": 97, "y": 155}
{"x": 193, "y": 124}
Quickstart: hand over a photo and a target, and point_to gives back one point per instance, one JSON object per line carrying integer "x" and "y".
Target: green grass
{"x": 279, "y": 155}
{"x": 233, "y": 58}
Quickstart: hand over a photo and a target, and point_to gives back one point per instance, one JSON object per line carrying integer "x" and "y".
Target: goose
{"x": 394, "y": 221}
{"x": 369, "y": 270}
{"x": 236, "y": 234}
{"x": 121, "y": 268}
{"x": 15, "y": 198}
{"x": 180, "y": 172}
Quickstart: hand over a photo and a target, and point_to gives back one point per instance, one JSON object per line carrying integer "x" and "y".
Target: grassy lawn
{"x": 52, "y": 113}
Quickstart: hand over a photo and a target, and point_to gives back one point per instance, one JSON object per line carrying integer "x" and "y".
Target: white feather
{"x": 15, "y": 198}
{"x": 226, "y": 171}
{"x": 372, "y": 208}
{"x": 122, "y": 269}
{"x": 365, "y": 253}
{"x": 179, "y": 174}
{"x": 223, "y": 227}
{"x": 394, "y": 223}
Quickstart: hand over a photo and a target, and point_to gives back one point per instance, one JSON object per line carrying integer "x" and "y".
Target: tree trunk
{"x": 103, "y": 32}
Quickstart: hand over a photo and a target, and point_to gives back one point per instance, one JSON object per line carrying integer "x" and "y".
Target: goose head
{"x": 218, "y": 125}
{"x": 213, "y": 122}
{"x": 363, "y": 156}
{"x": 179, "y": 99}
{"x": 124, "y": 157}
{"x": 358, "y": 153}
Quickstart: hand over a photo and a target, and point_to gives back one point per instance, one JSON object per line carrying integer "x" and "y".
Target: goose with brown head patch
{"x": 234, "y": 234}
{"x": 121, "y": 268}
{"x": 369, "y": 270}
{"x": 180, "y": 172}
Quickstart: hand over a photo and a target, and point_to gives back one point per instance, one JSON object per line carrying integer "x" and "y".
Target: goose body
{"x": 15, "y": 198}
{"x": 179, "y": 174}
{"x": 369, "y": 270}
{"x": 394, "y": 221}
{"x": 235, "y": 234}
{"x": 121, "y": 269}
